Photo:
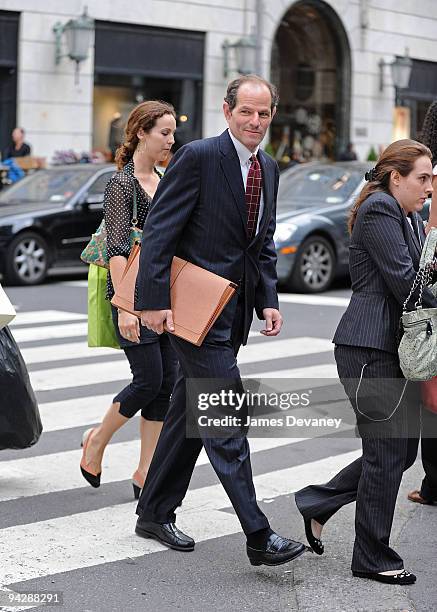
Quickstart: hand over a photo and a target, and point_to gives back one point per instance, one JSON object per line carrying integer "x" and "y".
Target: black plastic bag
{"x": 20, "y": 423}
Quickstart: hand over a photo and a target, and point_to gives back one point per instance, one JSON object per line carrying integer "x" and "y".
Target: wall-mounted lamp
{"x": 401, "y": 68}
{"x": 245, "y": 50}
{"x": 79, "y": 35}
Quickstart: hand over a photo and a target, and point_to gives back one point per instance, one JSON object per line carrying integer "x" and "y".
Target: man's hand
{"x": 155, "y": 320}
{"x": 273, "y": 320}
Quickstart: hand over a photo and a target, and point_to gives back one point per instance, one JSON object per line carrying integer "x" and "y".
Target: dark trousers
{"x": 153, "y": 366}
{"x": 175, "y": 455}
{"x": 428, "y": 489}
{"x": 373, "y": 480}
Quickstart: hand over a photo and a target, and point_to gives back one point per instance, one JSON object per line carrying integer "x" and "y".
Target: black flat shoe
{"x": 278, "y": 550}
{"x": 166, "y": 533}
{"x": 315, "y": 544}
{"x": 402, "y": 578}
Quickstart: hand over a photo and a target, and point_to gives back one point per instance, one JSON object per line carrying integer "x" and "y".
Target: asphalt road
{"x": 59, "y": 534}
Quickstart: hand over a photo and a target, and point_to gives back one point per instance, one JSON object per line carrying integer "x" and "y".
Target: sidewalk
{"x": 326, "y": 584}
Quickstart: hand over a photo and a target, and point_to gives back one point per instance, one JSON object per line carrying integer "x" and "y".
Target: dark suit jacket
{"x": 199, "y": 214}
{"x": 384, "y": 258}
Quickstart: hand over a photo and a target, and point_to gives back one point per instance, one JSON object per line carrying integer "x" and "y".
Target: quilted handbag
{"x": 96, "y": 251}
{"x": 418, "y": 347}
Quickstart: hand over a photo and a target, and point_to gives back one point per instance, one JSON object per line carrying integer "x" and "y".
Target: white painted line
{"x": 73, "y": 350}
{"x": 42, "y": 474}
{"x": 78, "y": 283}
{"x": 46, "y": 332}
{"x": 49, "y": 332}
{"x": 101, "y": 536}
{"x": 260, "y": 351}
{"x": 80, "y": 375}
{"x": 77, "y": 412}
{"x": 38, "y": 317}
{"x": 277, "y": 349}
{"x": 313, "y": 300}
{"x": 326, "y": 370}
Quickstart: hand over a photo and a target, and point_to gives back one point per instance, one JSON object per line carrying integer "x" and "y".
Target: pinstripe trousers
{"x": 175, "y": 455}
{"x": 389, "y": 448}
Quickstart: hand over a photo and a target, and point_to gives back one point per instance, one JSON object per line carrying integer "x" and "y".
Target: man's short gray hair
{"x": 234, "y": 86}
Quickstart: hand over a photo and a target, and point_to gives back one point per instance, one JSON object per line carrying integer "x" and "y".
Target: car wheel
{"x": 27, "y": 260}
{"x": 314, "y": 267}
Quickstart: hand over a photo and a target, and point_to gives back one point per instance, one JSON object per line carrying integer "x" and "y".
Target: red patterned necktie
{"x": 253, "y": 195}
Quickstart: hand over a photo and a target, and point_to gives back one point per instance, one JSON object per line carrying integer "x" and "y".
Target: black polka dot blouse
{"x": 118, "y": 213}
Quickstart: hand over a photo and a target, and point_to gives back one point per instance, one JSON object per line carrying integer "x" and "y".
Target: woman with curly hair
{"x": 427, "y": 494}
{"x": 149, "y": 138}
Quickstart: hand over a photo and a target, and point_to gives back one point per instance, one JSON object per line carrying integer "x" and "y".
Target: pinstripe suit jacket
{"x": 384, "y": 255}
{"x": 199, "y": 214}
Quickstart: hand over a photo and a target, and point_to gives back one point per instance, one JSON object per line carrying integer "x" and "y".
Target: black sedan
{"x": 311, "y": 235}
{"x": 47, "y": 218}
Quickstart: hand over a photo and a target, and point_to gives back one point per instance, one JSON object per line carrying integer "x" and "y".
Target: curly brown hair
{"x": 145, "y": 116}
{"x": 401, "y": 156}
{"x": 429, "y": 131}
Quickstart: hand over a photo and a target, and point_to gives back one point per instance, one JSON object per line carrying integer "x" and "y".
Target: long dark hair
{"x": 143, "y": 116}
{"x": 401, "y": 156}
{"x": 429, "y": 130}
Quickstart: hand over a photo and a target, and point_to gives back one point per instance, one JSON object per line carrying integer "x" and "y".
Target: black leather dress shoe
{"x": 278, "y": 550}
{"x": 166, "y": 533}
{"x": 402, "y": 578}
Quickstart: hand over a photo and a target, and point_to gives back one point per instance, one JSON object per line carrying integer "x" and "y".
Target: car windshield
{"x": 317, "y": 186}
{"x": 47, "y": 186}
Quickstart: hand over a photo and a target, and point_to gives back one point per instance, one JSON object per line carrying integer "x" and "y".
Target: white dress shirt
{"x": 244, "y": 155}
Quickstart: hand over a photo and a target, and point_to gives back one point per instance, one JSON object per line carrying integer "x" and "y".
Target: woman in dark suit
{"x": 386, "y": 239}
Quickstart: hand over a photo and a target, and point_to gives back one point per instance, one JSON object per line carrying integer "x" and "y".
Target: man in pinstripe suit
{"x": 386, "y": 239}
{"x": 214, "y": 207}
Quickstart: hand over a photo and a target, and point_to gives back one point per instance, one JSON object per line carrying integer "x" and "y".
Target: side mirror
{"x": 93, "y": 201}
{"x": 94, "y": 198}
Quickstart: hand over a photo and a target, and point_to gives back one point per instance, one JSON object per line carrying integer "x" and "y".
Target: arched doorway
{"x": 311, "y": 65}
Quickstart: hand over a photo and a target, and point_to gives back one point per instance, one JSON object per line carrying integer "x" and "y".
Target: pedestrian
{"x": 149, "y": 138}
{"x": 427, "y": 494}
{"x": 216, "y": 208}
{"x": 386, "y": 238}
{"x": 17, "y": 148}
{"x": 348, "y": 154}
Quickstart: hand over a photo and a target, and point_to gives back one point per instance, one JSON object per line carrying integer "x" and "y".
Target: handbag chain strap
{"x": 425, "y": 272}
{"x": 423, "y": 276}
{"x": 134, "y": 220}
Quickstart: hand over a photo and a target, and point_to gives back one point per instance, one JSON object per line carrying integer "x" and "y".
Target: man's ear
{"x": 274, "y": 111}
{"x": 227, "y": 111}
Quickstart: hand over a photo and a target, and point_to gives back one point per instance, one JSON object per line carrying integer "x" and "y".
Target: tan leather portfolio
{"x": 197, "y": 296}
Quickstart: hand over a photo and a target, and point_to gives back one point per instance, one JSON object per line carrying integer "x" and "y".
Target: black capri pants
{"x": 153, "y": 364}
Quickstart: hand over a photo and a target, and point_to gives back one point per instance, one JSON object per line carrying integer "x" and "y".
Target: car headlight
{"x": 284, "y": 232}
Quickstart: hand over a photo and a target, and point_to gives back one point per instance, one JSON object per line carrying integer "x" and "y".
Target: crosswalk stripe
{"x": 265, "y": 350}
{"x": 326, "y": 370}
{"x": 60, "y": 471}
{"x": 313, "y": 300}
{"x": 71, "y": 330}
{"x": 77, "y": 412}
{"x": 277, "y": 349}
{"x": 39, "y": 317}
{"x": 106, "y": 535}
{"x": 50, "y": 332}
{"x": 58, "y": 378}
{"x": 72, "y": 350}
